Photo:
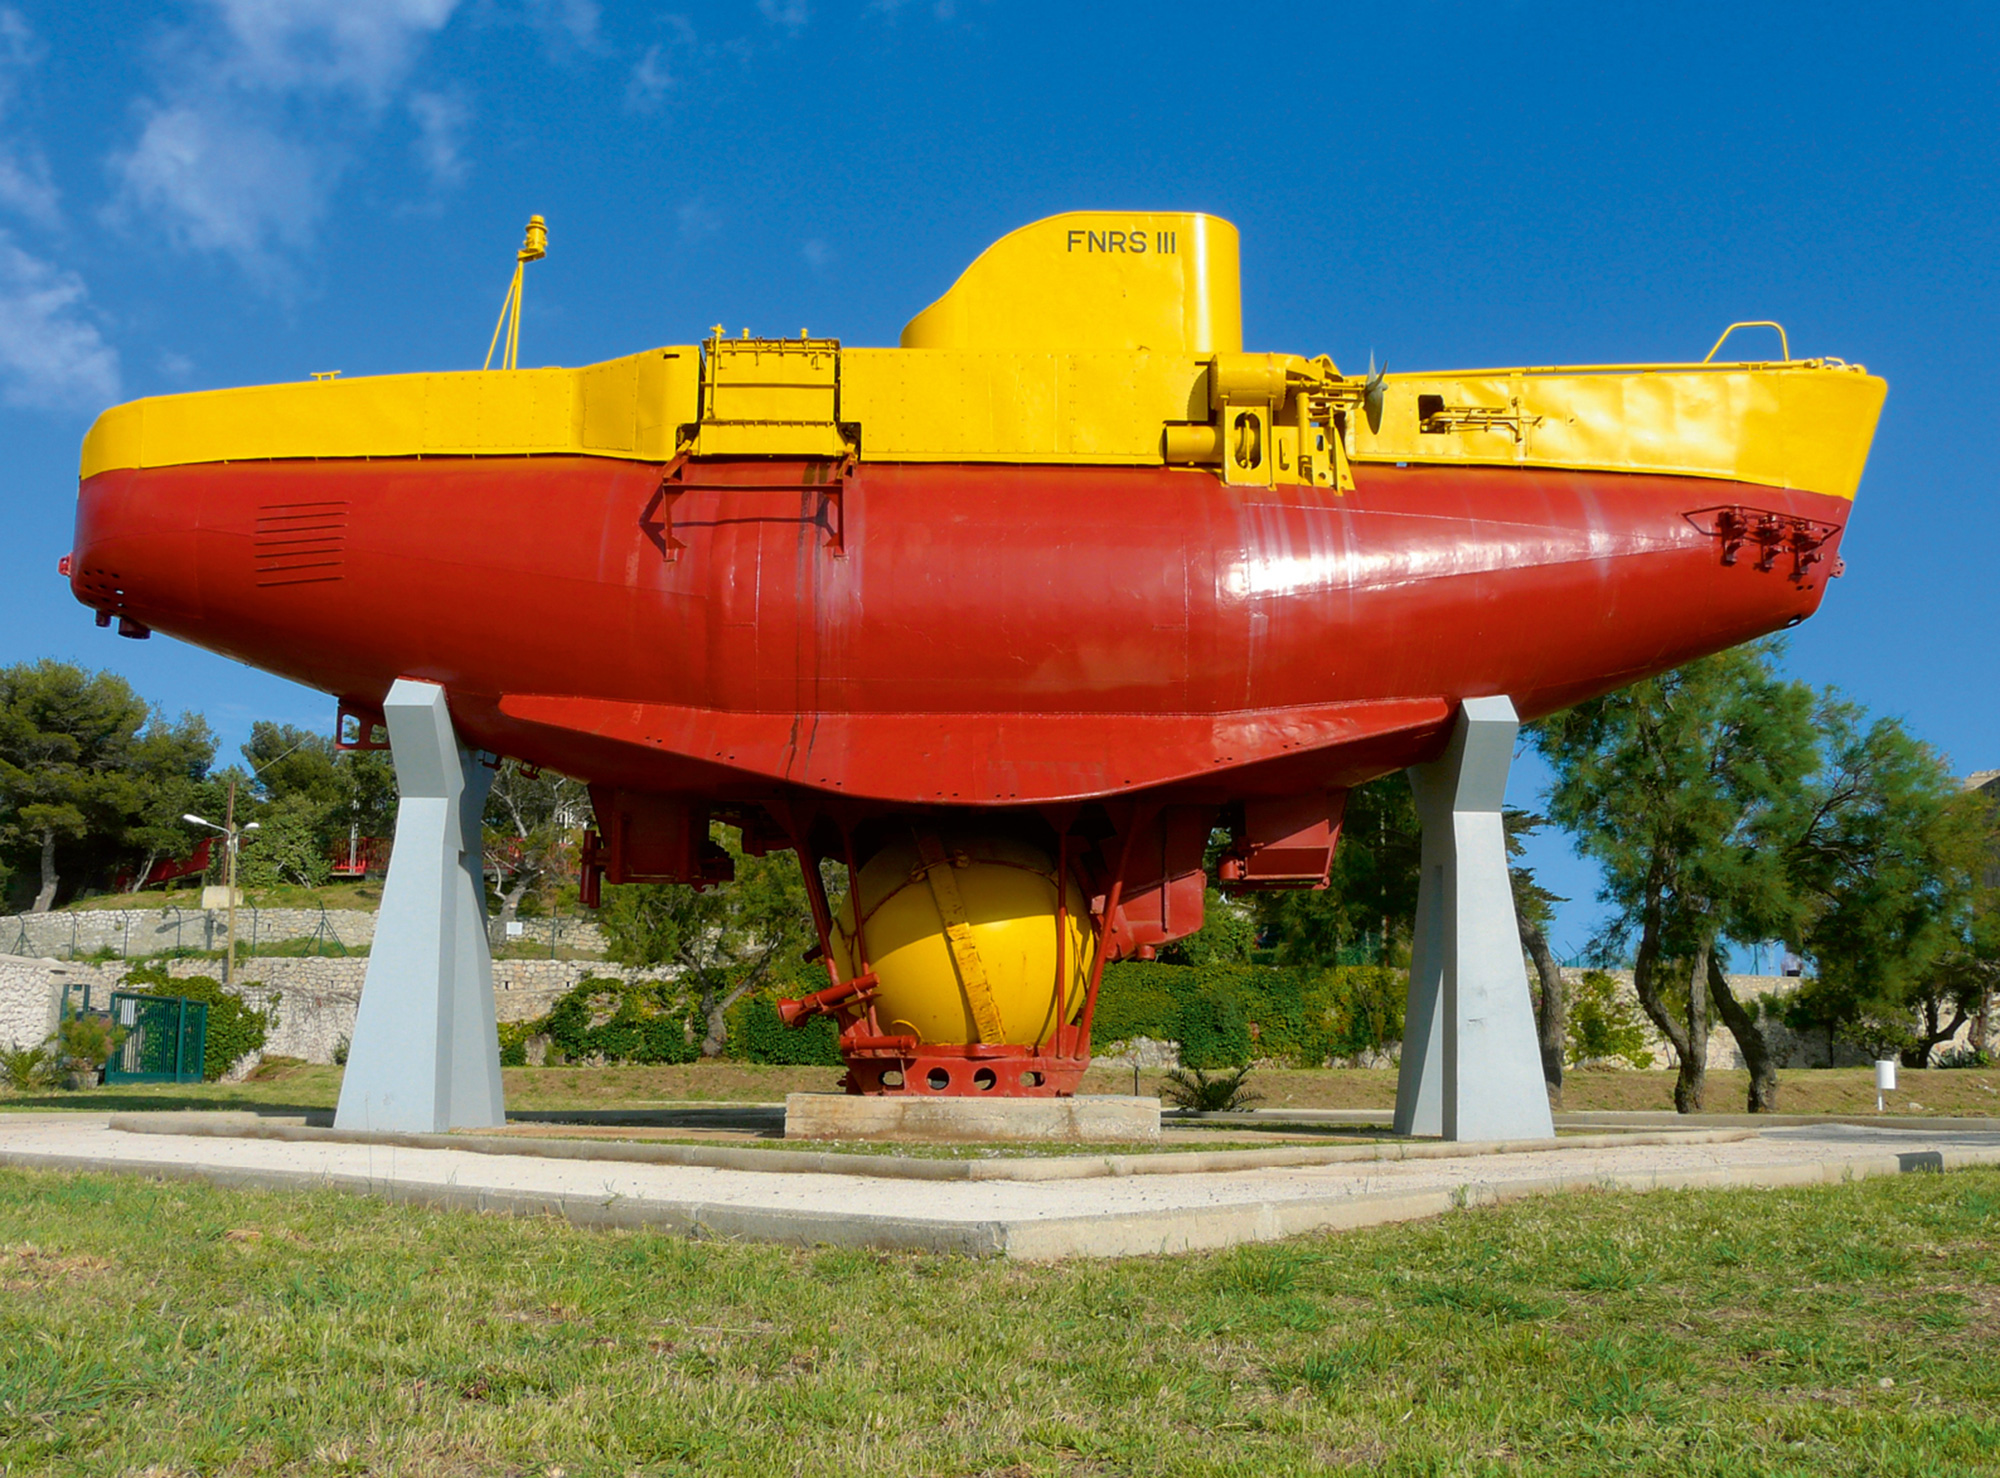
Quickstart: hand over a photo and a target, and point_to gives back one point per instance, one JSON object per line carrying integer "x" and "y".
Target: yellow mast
{"x": 533, "y": 249}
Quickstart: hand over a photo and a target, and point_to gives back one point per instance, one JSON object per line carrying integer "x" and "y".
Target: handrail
{"x": 1784, "y": 345}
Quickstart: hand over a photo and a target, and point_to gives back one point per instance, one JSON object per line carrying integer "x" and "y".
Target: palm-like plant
{"x": 1194, "y": 1090}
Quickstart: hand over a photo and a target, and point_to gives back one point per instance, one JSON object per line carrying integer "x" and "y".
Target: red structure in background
{"x": 166, "y": 870}
{"x": 359, "y": 857}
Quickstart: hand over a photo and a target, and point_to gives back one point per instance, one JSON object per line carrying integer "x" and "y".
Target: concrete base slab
{"x": 1106, "y": 1216}
{"x": 1084, "y": 1119}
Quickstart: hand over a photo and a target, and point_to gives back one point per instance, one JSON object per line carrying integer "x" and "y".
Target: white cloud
{"x": 224, "y": 182}
{"x": 790, "y": 14}
{"x": 943, "y": 10}
{"x": 658, "y": 72}
{"x": 52, "y": 356}
{"x": 441, "y": 121}
{"x": 650, "y": 82}
{"x": 364, "y": 47}
{"x": 25, "y": 187}
{"x": 573, "y": 20}
{"x": 241, "y": 146}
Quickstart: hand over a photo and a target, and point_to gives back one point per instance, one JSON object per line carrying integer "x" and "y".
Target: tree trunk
{"x": 510, "y": 909}
{"x": 1691, "y": 1084}
{"x": 45, "y": 900}
{"x": 145, "y": 871}
{"x": 1933, "y": 1035}
{"x": 1551, "y": 1007}
{"x": 1750, "y": 1040}
{"x": 717, "y": 1036}
{"x": 1646, "y": 967}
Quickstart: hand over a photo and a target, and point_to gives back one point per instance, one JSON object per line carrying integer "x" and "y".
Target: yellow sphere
{"x": 997, "y": 971}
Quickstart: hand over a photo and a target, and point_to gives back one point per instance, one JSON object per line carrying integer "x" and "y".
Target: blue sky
{"x": 221, "y": 192}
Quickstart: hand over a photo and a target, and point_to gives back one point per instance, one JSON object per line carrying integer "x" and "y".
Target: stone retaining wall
{"x": 316, "y": 998}
{"x": 1790, "y": 1048}
{"x": 132, "y": 933}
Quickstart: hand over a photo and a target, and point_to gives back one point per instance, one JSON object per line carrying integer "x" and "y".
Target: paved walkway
{"x": 1105, "y": 1217}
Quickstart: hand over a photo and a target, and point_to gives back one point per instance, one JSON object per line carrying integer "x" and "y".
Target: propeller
{"x": 1374, "y": 392}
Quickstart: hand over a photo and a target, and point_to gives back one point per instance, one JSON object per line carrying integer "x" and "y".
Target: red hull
{"x": 943, "y": 635}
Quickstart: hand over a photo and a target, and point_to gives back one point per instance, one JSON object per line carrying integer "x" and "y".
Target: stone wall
{"x": 316, "y": 999}
{"x": 1790, "y": 1048}
{"x": 131, "y": 933}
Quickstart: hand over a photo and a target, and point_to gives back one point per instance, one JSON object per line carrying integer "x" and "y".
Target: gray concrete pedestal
{"x": 1084, "y": 1119}
{"x": 425, "y": 1055}
{"x": 1472, "y": 1068}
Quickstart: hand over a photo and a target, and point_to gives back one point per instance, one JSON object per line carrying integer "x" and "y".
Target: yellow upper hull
{"x": 1152, "y": 375}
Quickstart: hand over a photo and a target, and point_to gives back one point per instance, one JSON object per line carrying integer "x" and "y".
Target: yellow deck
{"x": 1141, "y": 358}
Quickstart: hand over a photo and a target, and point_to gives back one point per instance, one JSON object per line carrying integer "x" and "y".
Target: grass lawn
{"x": 299, "y": 1086}
{"x": 188, "y": 1329}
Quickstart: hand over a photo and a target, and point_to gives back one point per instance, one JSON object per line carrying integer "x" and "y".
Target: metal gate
{"x": 166, "y": 1039}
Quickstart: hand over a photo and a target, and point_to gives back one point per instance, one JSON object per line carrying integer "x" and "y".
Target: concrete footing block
{"x": 1079, "y": 1120}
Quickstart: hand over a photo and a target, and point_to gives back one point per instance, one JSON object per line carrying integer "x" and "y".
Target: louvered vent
{"x": 299, "y": 543}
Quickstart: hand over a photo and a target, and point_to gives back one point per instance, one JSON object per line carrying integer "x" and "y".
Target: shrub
{"x": 514, "y": 1042}
{"x": 1225, "y": 1013}
{"x": 1602, "y": 1025}
{"x": 235, "y": 1028}
{"x": 27, "y": 1068}
{"x": 87, "y": 1042}
{"x": 1197, "y": 1092}
{"x": 1965, "y": 1054}
{"x": 616, "y": 1020}
{"x": 758, "y": 1035}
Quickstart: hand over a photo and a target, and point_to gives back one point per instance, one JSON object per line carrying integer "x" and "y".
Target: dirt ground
{"x": 1958, "y": 1091}
{"x": 299, "y": 1087}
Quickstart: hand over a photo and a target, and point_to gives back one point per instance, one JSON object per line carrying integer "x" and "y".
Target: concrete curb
{"x": 1584, "y": 1119}
{"x": 686, "y": 1218}
{"x": 1144, "y": 1234}
{"x": 897, "y": 1167}
{"x": 1148, "y": 1233}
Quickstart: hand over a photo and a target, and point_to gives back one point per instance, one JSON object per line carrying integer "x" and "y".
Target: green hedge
{"x": 757, "y": 1035}
{"x": 1225, "y": 1014}
{"x": 235, "y": 1029}
{"x": 633, "y": 1024}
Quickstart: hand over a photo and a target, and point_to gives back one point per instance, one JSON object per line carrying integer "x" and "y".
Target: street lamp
{"x": 234, "y": 841}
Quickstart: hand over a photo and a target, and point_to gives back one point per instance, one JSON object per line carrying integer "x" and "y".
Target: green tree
{"x": 312, "y": 796}
{"x": 88, "y": 770}
{"x": 1686, "y": 788}
{"x": 1227, "y": 936}
{"x": 170, "y": 760}
{"x": 1371, "y": 892}
{"x": 1534, "y": 909}
{"x": 727, "y": 940}
{"x": 1603, "y": 1026}
{"x": 1889, "y": 865}
{"x": 532, "y": 820}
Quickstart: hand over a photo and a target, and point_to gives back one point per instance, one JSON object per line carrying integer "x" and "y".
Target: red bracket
{"x": 366, "y": 718}
{"x": 656, "y": 519}
{"x": 1773, "y": 535}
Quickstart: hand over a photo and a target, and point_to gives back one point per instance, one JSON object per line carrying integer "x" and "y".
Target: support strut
{"x": 425, "y": 1056}
{"x": 1471, "y": 1066}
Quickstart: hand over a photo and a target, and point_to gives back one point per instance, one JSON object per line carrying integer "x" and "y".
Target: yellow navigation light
{"x": 534, "y": 246}
{"x": 1096, "y": 281}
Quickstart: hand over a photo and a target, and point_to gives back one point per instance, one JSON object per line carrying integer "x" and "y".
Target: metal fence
{"x": 166, "y": 1039}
